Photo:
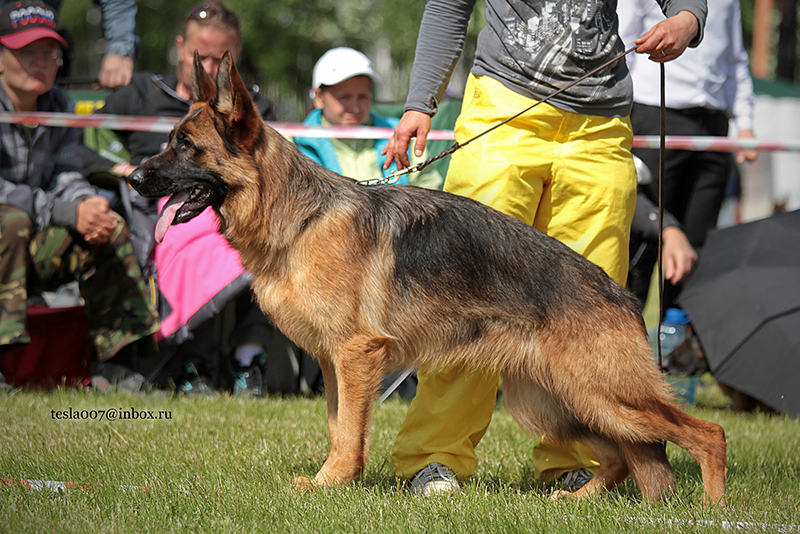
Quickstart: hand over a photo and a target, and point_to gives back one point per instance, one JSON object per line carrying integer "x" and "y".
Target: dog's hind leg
{"x": 646, "y": 462}
{"x": 705, "y": 442}
{"x": 640, "y": 427}
{"x": 359, "y": 369}
{"x": 536, "y": 411}
{"x": 651, "y": 469}
{"x": 645, "y": 422}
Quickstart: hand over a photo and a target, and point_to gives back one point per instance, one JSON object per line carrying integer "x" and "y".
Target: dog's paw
{"x": 562, "y": 494}
{"x": 304, "y": 484}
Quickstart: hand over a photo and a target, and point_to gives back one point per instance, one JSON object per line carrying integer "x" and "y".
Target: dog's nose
{"x": 136, "y": 178}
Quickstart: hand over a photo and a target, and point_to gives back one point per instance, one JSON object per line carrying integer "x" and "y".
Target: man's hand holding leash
{"x": 669, "y": 38}
{"x": 412, "y": 124}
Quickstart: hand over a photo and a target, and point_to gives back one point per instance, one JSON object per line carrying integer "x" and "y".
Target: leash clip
{"x": 392, "y": 178}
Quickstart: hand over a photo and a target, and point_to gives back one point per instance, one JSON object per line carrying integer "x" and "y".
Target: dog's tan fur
{"x": 370, "y": 279}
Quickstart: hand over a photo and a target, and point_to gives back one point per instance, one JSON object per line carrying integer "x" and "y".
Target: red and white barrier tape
{"x": 165, "y": 125}
{"x": 111, "y": 122}
{"x": 715, "y": 144}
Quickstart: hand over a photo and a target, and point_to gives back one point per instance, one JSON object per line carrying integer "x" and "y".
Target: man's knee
{"x": 15, "y": 226}
{"x": 122, "y": 234}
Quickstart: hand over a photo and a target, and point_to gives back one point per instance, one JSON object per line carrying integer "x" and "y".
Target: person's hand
{"x": 412, "y": 124}
{"x": 115, "y": 71}
{"x": 669, "y": 38}
{"x": 743, "y": 155}
{"x": 678, "y": 255}
{"x": 96, "y": 221}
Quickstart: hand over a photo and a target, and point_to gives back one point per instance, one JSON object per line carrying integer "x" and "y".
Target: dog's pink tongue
{"x": 168, "y": 214}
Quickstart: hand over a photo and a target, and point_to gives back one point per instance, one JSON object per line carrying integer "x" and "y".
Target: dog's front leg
{"x": 332, "y": 401}
{"x": 359, "y": 369}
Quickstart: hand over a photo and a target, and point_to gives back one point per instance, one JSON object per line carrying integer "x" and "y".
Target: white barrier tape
{"x": 111, "y": 122}
{"x": 165, "y": 125}
{"x": 349, "y": 132}
{"x": 715, "y": 144}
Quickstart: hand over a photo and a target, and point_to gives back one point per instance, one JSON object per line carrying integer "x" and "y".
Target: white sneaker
{"x": 434, "y": 478}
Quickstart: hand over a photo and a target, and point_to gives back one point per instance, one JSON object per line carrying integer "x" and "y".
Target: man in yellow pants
{"x": 564, "y": 168}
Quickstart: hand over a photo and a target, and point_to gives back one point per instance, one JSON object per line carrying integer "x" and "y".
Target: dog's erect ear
{"x": 203, "y": 88}
{"x": 233, "y": 99}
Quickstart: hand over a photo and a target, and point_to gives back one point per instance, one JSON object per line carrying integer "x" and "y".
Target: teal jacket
{"x": 320, "y": 149}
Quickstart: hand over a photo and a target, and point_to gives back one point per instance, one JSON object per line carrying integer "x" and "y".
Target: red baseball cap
{"x": 24, "y": 22}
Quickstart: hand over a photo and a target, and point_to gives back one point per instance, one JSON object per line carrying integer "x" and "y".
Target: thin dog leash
{"x": 662, "y": 146}
{"x": 394, "y": 176}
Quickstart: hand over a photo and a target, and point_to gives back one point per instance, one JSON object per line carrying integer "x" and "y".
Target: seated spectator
{"x": 197, "y": 271}
{"x": 54, "y": 227}
{"x": 342, "y": 89}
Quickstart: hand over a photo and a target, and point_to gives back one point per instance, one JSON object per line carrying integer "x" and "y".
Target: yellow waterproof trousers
{"x": 572, "y": 177}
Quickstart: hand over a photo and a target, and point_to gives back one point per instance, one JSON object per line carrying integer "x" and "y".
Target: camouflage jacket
{"x": 40, "y": 168}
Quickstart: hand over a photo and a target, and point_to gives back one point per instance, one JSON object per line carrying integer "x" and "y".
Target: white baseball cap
{"x": 338, "y": 64}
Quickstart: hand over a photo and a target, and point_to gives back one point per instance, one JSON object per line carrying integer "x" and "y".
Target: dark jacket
{"x": 40, "y": 172}
{"x": 645, "y": 219}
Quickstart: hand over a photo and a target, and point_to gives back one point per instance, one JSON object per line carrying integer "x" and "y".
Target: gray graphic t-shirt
{"x": 533, "y": 47}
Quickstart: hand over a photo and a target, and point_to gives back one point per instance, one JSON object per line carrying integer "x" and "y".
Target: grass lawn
{"x": 225, "y": 464}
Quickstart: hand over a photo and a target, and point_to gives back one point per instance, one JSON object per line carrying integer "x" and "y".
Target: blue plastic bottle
{"x": 673, "y": 332}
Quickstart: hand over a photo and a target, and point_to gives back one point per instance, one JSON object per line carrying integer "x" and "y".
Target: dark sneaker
{"x": 249, "y": 382}
{"x": 194, "y": 384}
{"x": 197, "y": 385}
{"x": 107, "y": 377}
{"x": 574, "y": 480}
{"x": 434, "y": 478}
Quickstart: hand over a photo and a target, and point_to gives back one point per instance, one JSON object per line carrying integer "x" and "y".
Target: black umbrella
{"x": 744, "y": 303}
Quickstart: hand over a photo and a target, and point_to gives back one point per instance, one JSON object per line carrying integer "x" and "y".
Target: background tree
{"x": 282, "y": 41}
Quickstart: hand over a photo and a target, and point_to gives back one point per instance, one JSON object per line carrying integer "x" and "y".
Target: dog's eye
{"x": 184, "y": 143}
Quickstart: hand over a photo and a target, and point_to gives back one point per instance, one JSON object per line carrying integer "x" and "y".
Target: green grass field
{"x": 225, "y": 464}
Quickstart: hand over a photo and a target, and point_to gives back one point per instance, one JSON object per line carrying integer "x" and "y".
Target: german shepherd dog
{"x": 375, "y": 278}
